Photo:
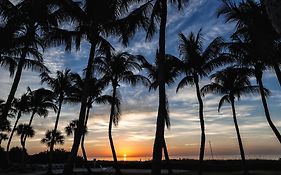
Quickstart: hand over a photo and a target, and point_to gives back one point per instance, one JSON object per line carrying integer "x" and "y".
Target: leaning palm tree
{"x": 29, "y": 26}
{"x": 61, "y": 87}
{"x": 159, "y": 14}
{"x": 244, "y": 50}
{"x": 197, "y": 63}
{"x": 248, "y": 50}
{"x": 95, "y": 96}
{"x": 117, "y": 68}
{"x": 24, "y": 130}
{"x": 233, "y": 82}
{"x": 96, "y": 20}
{"x": 40, "y": 101}
{"x": 22, "y": 105}
{"x": 171, "y": 70}
{"x": 51, "y": 138}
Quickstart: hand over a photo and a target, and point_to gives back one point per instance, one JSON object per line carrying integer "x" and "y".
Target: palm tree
{"x": 40, "y": 101}
{"x": 232, "y": 83}
{"x": 24, "y": 130}
{"x": 249, "y": 51}
{"x": 22, "y": 105}
{"x": 29, "y": 26}
{"x": 251, "y": 18}
{"x": 159, "y": 14}
{"x": 95, "y": 20}
{"x": 70, "y": 129}
{"x": 245, "y": 49}
{"x": 117, "y": 68}
{"x": 95, "y": 96}
{"x": 198, "y": 63}
{"x": 51, "y": 138}
{"x": 3, "y": 137}
{"x": 171, "y": 70}
{"x": 61, "y": 87}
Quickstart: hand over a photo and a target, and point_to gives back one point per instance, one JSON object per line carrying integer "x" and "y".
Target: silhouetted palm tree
{"x": 61, "y": 86}
{"x": 23, "y": 130}
{"x": 22, "y": 105}
{"x": 159, "y": 14}
{"x": 171, "y": 69}
{"x": 51, "y": 138}
{"x": 198, "y": 63}
{"x": 232, "y": 83}
{"x": 252, "y": 19}
{"x": 95, "y": 20}
{"x": 29, "y": 25}
{"x": 40, "y": 101}
{"x": 248, "y": 47}
{"x": 245, "y": 51}
{"x": 95, "y": 96}
{"x": 3, "y": 137}
{"x": 117, "y": 68}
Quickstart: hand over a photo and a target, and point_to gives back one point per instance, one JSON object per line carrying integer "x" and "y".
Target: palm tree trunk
{"x": 23, "y": 151}
{"x": 68, "y": 168}
{"x": 202, "y": 124}
{"x": 266, "y": 110}
{"x": 82, "y": 142}
{"x": 277, "y": 72}
{"x": 118, "y": 172}
{"x": 11, "y": 136}
{"x": 239, "y": 137}
{"x": 29, "y": 124}
{"x": 166, "y": 154}
{"x": 50, "y": 164}
{"x": 14, "y": 87}
{"x": 160, "y": 126}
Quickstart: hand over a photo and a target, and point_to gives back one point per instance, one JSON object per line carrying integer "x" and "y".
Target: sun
{"x": 125, "y": 157}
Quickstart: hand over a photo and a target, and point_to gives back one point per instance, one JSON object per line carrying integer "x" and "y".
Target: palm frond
{"x": 224, "y": 99}
{"x": 187, "y": 80}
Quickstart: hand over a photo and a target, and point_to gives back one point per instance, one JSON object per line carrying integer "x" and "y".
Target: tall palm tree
{"x": 40, "y": 101}
{"x": 232, "y": 83}
{"x": 245, "y": 52}
{"x": 51, "y": 138}
{"x": 96, "y": 20}
{"x": 117, "y": 68}
{"x": 22, "y": 105}
{"x": 249, "y": 51}
{"x": 171, "y": 70}
{"x": 197, "y": 63}
{"x": 159, "y": 14}
{"x": 29, "y": 25}
{"x": 95, "y": 96}
{"x": 61, "y": 86}
{"x": 24, "y": 130}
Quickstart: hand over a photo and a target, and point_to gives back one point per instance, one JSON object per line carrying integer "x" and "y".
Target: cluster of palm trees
{"x": 31, "y": 26}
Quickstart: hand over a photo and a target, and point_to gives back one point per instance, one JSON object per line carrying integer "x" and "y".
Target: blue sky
{"x": 139, "y": 107}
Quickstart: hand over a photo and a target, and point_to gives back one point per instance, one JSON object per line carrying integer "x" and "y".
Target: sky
{"x": 135, "y": 133}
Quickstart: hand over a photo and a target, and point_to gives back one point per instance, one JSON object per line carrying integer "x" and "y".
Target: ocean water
{"x": 207, "y": 157}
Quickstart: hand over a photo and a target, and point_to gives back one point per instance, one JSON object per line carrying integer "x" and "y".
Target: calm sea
{"x": 221, "y": 157}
